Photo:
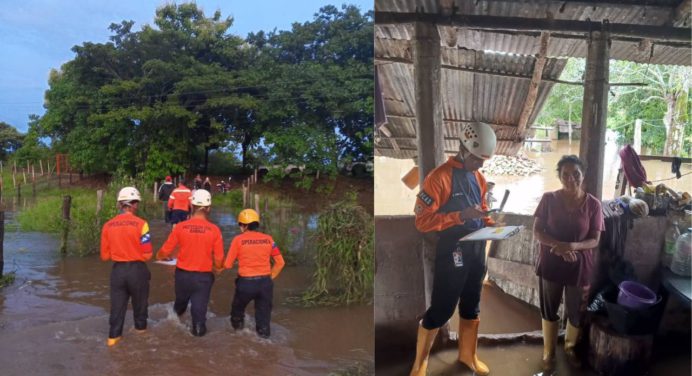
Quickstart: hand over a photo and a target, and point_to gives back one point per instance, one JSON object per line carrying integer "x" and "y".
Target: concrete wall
{"x": 399, "y": 286}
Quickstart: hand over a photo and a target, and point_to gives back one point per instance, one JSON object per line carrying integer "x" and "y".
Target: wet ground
{"x": 501, "y": 313}
{"x": 54, "y": 321}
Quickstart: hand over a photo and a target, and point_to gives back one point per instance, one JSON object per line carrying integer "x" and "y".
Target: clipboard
{"x": 492, "y": 233}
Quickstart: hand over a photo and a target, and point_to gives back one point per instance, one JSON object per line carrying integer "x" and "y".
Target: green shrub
{"x": 344, "y": 255}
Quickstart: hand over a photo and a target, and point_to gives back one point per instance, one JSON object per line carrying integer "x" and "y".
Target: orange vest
{"x": 125, "y": 238}
{"x": 180, "y": 199}
{"x": 253, "y": 250}
{"x": 201, "y": 245}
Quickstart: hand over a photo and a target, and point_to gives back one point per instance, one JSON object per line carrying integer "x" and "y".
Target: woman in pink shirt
{"x": 568, "y": 228}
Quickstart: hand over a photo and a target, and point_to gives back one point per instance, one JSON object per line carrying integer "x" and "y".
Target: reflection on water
{"x": 59, "y": 307}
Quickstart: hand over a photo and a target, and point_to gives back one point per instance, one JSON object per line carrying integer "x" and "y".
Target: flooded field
{"x": 392, "y": 197}
{"x": 54, "y": 321}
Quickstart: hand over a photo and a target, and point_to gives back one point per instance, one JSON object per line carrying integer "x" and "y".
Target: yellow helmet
{"x": 248, "y": 216}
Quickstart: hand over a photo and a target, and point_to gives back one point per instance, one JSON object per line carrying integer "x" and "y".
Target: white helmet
{"x": 479, "y": 139}
{"x": 129, "y": 194}
{"x": 201, "y": 197}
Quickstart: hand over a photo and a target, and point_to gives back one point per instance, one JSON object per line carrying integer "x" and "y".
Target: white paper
{"x": 171, "y": 262}
{"x": 492, "y": 233}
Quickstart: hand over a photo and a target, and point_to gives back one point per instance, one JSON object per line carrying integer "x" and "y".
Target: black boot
{"x": 199, "y": 330}
{"x": 237, "y": 323}
{"x": 263, "y": 332}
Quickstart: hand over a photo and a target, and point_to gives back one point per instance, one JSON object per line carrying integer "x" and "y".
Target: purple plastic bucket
{"x": 635, "y": 295}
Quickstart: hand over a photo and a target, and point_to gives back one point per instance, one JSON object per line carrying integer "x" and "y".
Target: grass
{"x": 344, "y": 256}
{"x": 84, "y": 225}
{"x": 7, "y": 279}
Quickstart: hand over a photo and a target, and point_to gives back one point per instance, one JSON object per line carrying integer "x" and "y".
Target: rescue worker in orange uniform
{"x": 452, "y": 203}
{"x": 179, "y": 203}
{"x": 201, "y": 252}
{"x": 125, "y": 239}
{"x": 254, "y": 251}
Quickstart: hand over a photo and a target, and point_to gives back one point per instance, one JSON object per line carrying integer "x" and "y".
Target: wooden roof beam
{"x": 385, "y": 59}
{"x": 530, "y": 102}
{"x": 665, "y": 33}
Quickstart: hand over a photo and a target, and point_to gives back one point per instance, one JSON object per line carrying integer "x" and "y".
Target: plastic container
{"x": 627, "y": 321}
{"x": 683, "y": 255}
{"x": 636, "y": 296}
{"x": 671, "y": 237}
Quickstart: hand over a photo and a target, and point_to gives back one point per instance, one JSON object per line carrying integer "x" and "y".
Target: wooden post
{"x": 429, "y": 123}
{"x": 244, "y": 196}
{"x": 24, "y": 175}
{"x": 638, "y": 136}
{"x": 156, "y": 190}
{"x": 257, "y": 203}
{"x": 255, "y": 176}
{"x": 33, "y": 172}
{"x": 99, "y": 206}
{"x": 48, "y": 166}
{"x": 66, "y": 203}
{"x": 40, "y": 164}
{"x": 595, "y": 111}
{"x": 14, "y": 180}
{"x": 2, "y": 241}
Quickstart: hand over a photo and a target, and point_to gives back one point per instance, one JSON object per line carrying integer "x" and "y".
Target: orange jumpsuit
{"x": 254, "y": 250}
{"x": 125, "y": 239}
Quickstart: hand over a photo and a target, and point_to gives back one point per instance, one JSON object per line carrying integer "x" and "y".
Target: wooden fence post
{"x": 156, "y": 189}
{"x": 48, "y": 166}
{"x": 244, "y": 196}
{"x": 40, "y": 164}
{"x": 2, "y": 241}
{"x": 257, "y": 203}
{"x": 24, "y": 175}
{"x": 99, "y": 206}
{"x": 66, "y": 203}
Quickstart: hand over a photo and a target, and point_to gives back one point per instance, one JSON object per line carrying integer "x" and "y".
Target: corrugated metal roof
{"x": 496, "y": 99}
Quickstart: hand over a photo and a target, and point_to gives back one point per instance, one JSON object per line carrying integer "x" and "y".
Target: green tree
{"x": 10, "y": 140}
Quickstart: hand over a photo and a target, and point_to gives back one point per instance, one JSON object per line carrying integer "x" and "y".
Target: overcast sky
{"x": 37, "y": 35}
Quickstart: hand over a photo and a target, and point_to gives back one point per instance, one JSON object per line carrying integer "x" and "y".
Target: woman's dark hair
{"x": 570, "y": 159}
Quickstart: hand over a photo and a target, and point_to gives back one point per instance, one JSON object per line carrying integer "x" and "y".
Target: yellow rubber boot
{"x": 423, "y": 345}
{"x": 113, "y": 341}
{"x": 468, "y": 337}
{"x": 571, "y": 338}
{"x": 550, "y": 329}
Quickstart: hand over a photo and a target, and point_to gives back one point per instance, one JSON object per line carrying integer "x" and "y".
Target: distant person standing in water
{"x": 164, "y": 195}
{"x": 125, "y": 239}
{"x": 254, "y": 251}
{"x": 179, "y": 203}
{"x": 201, "y": 252}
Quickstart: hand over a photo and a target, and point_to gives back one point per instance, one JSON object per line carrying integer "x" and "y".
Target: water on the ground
{"x": 504, "y": 314}
{"x": 54, "y": 321}
{"x": 392, "y": 197}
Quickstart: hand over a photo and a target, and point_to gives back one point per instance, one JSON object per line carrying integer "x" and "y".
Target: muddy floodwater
{"x": 504, "y": 314}
{"x": 392, "y": 197}
{"x": 54, "y": 321}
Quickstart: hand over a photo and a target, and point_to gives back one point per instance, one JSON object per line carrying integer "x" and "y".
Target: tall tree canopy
{"x": 153, "y": 101}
